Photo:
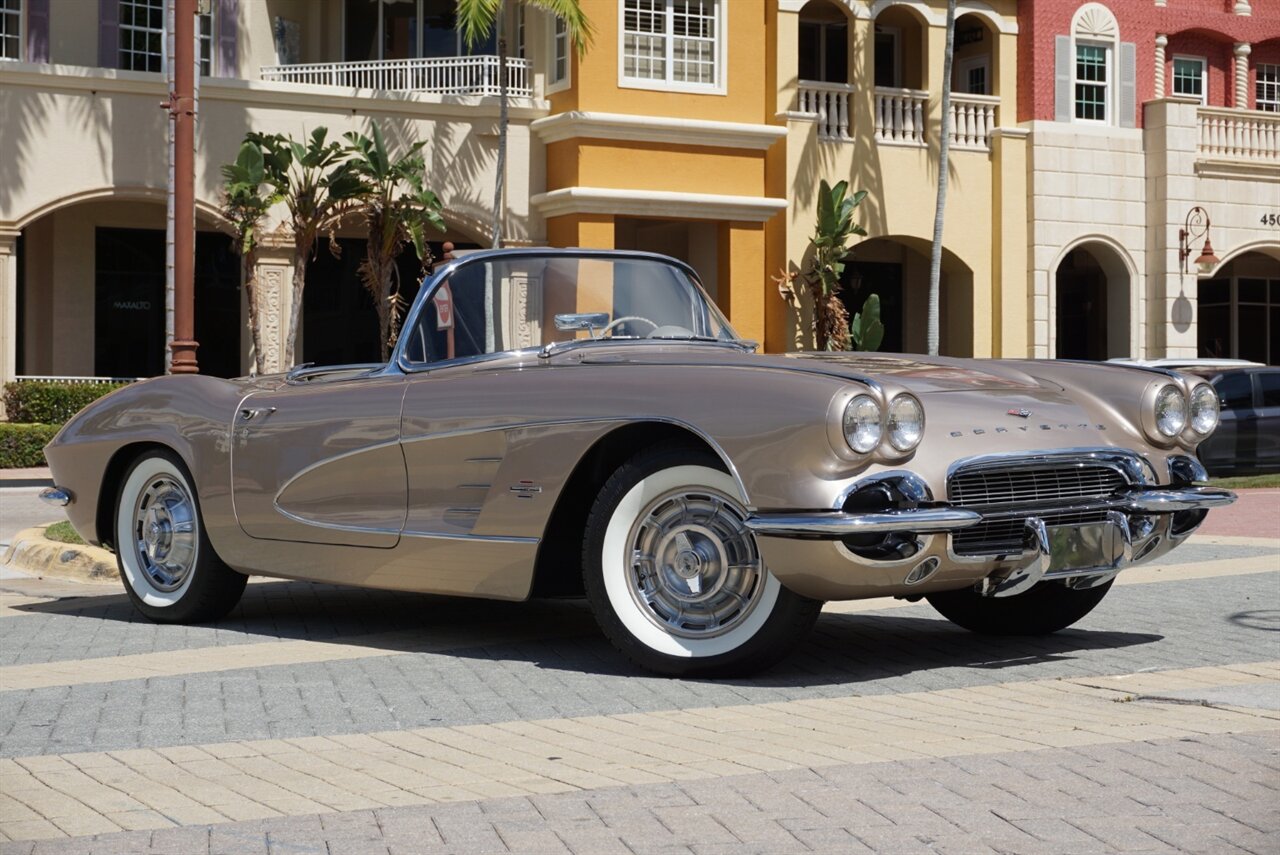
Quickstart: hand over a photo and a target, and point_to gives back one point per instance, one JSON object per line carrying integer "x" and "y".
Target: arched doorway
{"x": 897, "y": 270}
{"x": 1238, "y": 310}
{"x": 107, "y": 293}
{"x": 1092, "y": 305}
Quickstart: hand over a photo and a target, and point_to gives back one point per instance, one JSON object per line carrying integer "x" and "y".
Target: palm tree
{"x": 317, "y": 184}
{"x": 944, "y": 152}
{"x": 398, "y": 209}
{"x": 477, "y": 19}
{"x": 245, "y": 205}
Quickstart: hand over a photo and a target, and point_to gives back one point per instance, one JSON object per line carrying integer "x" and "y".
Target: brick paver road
{"x": 328, "y": 720}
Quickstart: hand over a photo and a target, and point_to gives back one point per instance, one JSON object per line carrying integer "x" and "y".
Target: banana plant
{"x": 397, "y": 209}
{"x": 830, "y": 247}
{"x": 318, "y": 186}
{"x": 866, "y": 330}
{"x": 246, "y": 200}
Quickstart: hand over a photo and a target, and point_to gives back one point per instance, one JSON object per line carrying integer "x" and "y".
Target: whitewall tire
{"x": 674, "y": 576}
{"x": 168, "y": 567}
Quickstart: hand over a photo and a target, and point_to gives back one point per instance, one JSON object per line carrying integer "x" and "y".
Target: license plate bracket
{"x": 1079, "y": 548}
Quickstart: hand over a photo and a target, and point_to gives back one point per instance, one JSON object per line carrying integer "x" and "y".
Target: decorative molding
{"x": 1242, "y": 51}
{"x": 656, "y": 203}
{"x": 1242, "y": 8}
{"x": 270, "y": 285}
{"x": 1011, "y": 133}
{"x": 659, "y": 129}
{"x": 1162, "y": 42}
{"x": 1244, "y": 170}
{"x": 1095, "y": 21}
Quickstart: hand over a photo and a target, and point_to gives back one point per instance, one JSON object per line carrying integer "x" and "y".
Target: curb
{"x": 32, "y": 553}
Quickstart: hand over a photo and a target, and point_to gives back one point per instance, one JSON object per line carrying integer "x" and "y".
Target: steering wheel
{"x": 609, "y": 327}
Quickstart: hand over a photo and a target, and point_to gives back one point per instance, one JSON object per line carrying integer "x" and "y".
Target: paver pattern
{"x": 325, "y": 719}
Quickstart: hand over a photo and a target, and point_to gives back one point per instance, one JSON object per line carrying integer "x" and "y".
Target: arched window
{"x": 1095, "y": 71}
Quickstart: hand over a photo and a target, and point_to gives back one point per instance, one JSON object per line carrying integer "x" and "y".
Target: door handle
{"x": 251, "y": 413}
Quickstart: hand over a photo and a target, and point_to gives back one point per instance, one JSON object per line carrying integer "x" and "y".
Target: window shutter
{"x": 109, "y": 33}
{"x": 1128, "y": 101}
{"x": 1062, "y": 60}
{"x": 37, "y": 31}
{"x": 227, "y": 21}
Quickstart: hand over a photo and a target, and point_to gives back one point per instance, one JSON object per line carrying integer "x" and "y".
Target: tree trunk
{"x": 500, "y": 183}
{"x": 301, "y": 255}
{"x": 248, "y": 275}
{"x": 944, "y": 154}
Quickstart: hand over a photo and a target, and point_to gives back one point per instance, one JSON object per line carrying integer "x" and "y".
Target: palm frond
{"x": 475, "y": 18}
{"x": 579, "y": 27}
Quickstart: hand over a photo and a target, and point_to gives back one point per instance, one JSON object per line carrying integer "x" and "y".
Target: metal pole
{"x": 182, "y": 105}
{"x": 170, "y": 65}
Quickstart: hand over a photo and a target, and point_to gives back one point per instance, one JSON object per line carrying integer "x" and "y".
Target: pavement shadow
{"x": 561, "y": 635}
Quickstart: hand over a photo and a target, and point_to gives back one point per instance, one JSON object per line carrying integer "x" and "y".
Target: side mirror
{"x": 589, "y": 321}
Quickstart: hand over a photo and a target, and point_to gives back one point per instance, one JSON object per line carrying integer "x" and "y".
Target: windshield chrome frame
{"x": 443, "y": 272}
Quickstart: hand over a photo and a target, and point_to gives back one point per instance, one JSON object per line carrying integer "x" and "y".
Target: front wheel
{"x": 169, "y": 569}
{"x": 1046, "y": 608}
{"x": 674, "y": 576}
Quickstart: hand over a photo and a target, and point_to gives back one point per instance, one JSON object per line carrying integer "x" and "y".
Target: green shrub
{"x": 35, "y": 401}
{"x": 23, "y": 445}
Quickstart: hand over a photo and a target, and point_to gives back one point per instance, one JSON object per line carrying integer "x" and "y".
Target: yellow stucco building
{"x": 697, "y": 128}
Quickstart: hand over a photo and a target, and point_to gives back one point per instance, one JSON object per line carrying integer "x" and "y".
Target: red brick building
{"x": 1140, "y": 111}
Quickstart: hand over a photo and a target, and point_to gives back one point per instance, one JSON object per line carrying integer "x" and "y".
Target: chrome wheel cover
{"x": 165, "y": 534}
{"x": 695, "y": 570}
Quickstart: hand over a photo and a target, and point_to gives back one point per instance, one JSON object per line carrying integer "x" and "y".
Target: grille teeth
{"x": 1036, "y": 490}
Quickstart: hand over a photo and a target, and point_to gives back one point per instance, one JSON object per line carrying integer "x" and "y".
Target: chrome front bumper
{"x": 833, "y": 525}
{"x": 1016, "y": 572}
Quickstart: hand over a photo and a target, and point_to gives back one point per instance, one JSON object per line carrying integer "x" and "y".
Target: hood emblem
{"x": 1020, "y": 413}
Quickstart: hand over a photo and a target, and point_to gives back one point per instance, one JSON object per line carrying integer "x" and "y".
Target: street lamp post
{"x": 182, "y": 110}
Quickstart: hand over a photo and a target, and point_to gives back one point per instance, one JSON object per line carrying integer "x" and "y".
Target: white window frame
{"x": 555, "y": 41}
{"x": 894, "y": 33}
{"x": 22, "y": 34}
{"x": 1273, "y": 106}
{"x": 982, "y": 61}
{"x": 669, "y": 85}
{"x": 1109, "y": 87}
{"x": 1204, "y": 75}
{"x": 201, "y": 41}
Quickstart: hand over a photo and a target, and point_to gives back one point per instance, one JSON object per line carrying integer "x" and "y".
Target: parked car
{"x": 1248, "y": 439}
{"x": 588, "y": 422}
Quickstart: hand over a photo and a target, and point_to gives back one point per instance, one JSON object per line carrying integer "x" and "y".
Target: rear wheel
{"x": 674, "y": 576}
{"x": 169, "y": 569}
{"x": 1047, "y": 607}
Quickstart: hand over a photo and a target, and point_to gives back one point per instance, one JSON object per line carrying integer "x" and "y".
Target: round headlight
{"x": 1204, "y": 409}
{"x": 906, "y": 422}
{"x": 1171, "y": 411}
{"x": 862, "y": 424}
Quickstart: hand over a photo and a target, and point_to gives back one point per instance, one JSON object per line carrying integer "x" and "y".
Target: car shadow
{"x": 561, "y": 635}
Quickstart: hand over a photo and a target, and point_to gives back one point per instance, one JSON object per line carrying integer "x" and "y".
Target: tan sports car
{"x": 586, "y": 422}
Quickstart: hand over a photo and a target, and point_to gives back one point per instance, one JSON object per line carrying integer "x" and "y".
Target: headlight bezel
{"x": 1173, "y": 393}
{"x": 869, "y": 404}
{"x": 904, "y": 399}
{"x": 1201, "y": 393}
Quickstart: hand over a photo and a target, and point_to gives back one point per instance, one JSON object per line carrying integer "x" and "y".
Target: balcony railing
{"x": 829, "y": 104}
{"x": 973, "y": 118}
{"x": 900, "y": 115}
{"x": 1239, "y": 134}
{"x": 452, "y": 75}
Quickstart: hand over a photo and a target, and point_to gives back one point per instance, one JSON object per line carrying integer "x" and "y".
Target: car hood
{"x": 918, "y": 373}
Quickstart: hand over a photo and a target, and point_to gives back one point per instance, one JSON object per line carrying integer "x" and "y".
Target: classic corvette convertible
{"x": 587, "y": 422}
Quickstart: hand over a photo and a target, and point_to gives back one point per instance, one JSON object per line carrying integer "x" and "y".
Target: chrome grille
{"x": 1051, "y": 491}
{"x": 982, "y": 488}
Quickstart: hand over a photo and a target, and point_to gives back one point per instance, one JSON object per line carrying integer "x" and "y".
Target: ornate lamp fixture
{"x": 1196, "y": 227}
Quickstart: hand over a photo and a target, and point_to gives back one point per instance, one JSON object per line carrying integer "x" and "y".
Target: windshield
{"x": 511, "y": 302}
